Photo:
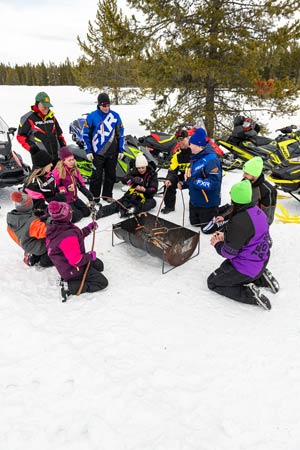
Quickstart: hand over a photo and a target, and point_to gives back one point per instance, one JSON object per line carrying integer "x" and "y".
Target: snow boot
{"x": 167, "y": 210}
{"x": 270, "y": 281}
{"x": 260, "y": 298}
{"x": 64, "y": 290}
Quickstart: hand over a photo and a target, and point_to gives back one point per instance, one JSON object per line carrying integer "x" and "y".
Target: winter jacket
{"x": 44, "y": 131}
{"x": 149, "y": 181}
{"x": 205, "y": 181}
{"x": 264, "y": 195}
{"x": 73, "y": 177}
{"x": 246, "y": 241}
{"x": 103, "y": 133}
{"x": 42, "y": 190}
{"x": 65, "y": 245}
{"x": 180, "y": 161}
{"x": 27, "y": 231}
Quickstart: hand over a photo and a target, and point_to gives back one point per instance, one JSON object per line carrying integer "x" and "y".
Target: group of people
{"x": 46, "y": 210}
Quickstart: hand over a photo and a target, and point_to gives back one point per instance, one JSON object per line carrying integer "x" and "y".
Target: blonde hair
{"x": 36, "y": 173}
{"x": 62, "y": 170}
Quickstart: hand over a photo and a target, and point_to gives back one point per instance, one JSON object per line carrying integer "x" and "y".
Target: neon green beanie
{"x": 254, "y": 166}
{"x": 241, "y": 192}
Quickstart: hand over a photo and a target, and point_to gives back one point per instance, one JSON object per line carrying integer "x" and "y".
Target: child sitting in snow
{"x": 40, "y": 184}
{"x": 65, "y": 244}
{"x": 142, "y": 183}
{"x": 69, "y": 180}
{"x": 27, "y": 230}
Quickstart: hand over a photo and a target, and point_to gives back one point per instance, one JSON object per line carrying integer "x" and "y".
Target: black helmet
{"x": 238, "y": 120}
{"x": 181, "y": 134}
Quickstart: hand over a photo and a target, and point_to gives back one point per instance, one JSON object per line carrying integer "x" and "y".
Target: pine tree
{"x": 211, "y": 55}
{"x": 101, "y": 67}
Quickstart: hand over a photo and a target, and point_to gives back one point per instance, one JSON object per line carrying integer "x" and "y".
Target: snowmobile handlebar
{"x": 288, "y": 129}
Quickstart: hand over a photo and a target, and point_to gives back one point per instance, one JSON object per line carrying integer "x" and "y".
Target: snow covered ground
{"x": 154, "y": 362}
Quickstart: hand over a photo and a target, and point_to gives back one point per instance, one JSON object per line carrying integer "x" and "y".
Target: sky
{"x": 44, "y": 31}
{"x": 153, "y": 362}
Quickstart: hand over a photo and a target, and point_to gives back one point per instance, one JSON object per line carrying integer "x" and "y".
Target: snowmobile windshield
{"x": 3, "y": 130}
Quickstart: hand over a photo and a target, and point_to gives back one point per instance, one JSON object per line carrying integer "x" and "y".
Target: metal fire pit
{"x": 160, "y": 238}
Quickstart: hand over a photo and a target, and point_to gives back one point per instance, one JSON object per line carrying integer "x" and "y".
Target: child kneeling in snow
{"x": 142, "y": 182}
{"x": 27, "y": 230}
{"x": 65, "y": 244}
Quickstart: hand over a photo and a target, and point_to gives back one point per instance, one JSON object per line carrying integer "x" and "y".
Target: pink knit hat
{"x": 64, "y": 153}
{"x": 60, "y": 211}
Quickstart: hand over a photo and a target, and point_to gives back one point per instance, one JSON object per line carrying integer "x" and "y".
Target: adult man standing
{"x": 103, "y": 136}
{"x": 203, "y": 179}
{"x": 40, "y": 127}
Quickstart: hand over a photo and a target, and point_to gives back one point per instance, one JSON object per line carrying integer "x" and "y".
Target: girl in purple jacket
{"x": 69, "y": 181}
{"x": 65, "y": 245}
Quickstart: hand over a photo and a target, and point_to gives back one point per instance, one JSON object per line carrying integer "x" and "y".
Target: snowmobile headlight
{"x": 2, "y": 157}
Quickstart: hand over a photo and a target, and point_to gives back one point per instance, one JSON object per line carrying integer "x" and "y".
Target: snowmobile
{"x": 164, "y": 145}
{"x": 244, "y": 143}
{"x": 286, "y": 177}
{"x": 132, "y": 148}
{"x": 76, "y": 130}
{"x": 12, "y": 168}
{"x": 161, "y": 146}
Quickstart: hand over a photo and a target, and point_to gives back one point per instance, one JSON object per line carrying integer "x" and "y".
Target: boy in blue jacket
{"x": 203, "y": 179}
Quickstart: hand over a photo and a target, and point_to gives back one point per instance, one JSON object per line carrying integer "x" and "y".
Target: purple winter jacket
{"x": 65, "y": 245}
{"x": 246, "y": 242}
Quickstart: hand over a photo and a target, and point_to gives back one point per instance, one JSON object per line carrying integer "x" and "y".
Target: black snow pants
{"x": 229, "y": 282}
{"x": 95, "y": 280}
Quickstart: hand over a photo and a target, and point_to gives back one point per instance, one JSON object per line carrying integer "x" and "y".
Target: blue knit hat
{"x": 199, "y": 137}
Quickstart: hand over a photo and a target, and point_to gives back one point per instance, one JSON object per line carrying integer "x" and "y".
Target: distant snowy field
{"x": 154, "y": 362}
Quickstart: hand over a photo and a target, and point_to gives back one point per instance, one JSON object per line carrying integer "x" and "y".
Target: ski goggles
{"x": 105, "y": 104}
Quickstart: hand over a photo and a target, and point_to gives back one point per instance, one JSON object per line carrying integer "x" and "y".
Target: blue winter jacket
{"x": 205, "y": 181}
{"x": 101, "y": 130}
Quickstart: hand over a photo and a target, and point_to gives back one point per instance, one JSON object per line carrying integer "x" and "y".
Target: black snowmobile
{"x": 161, "y": 146}
{"x": 244, "y": 143}
{"x": 132, "y": 148}
{"x": 286, "y": 177}
{"x": 12, "y": 169}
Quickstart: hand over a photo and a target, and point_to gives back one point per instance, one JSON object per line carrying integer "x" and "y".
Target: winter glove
{"x": 90, "y": 157}
{"x": 93, "y": 255}
{"x": 120, "y": 155}
{"x": 138, "y": 180}
{"x": 92, "y": 226}
{"x": 92, "y": 205}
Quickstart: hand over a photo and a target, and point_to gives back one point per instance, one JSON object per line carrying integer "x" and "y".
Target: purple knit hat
{"x": 64, "y": 153}
{"x": 60, "y": 211}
